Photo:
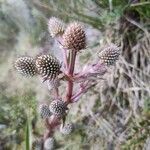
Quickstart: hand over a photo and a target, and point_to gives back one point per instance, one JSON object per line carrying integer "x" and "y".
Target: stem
{"x": 72, "y": 62}
{"x": 139, "y": 4}
{"x": 77, "y": 95}
{"x": 70, "y": 73}
{"x": 65, "y": 60}
{"x": 56, "y": 92}
{"x": 84, "y": 89}
{"x": 110, "y": 5}
{"x": 50, "y": 125}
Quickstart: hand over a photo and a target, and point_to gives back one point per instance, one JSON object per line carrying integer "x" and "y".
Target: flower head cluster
{"x": 45, "y": 65}
{"x": 57, "y": 107}
{"x": 71, "y": 40}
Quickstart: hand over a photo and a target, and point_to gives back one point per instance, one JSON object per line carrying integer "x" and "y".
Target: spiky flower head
{"x": 48, "y": 66}
{"x": 74, "y": 37}
{"x": 55, "y": 26}
{"x": 58, "y": 107}
{"x": 26, "y": 66}
{"x": 49, "y": 143}
{"x": 53, "y": 83}
{"x": 109, "y": 55}
{"x": 44, "y": 111}
{"x": 37, "y": 144}
{"x": 66, "y": 129}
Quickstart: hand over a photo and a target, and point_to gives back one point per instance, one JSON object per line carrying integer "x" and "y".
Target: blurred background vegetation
{"x": 115, "y": 114}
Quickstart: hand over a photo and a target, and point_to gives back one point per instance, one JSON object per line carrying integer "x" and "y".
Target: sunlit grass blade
{"x": 28, "y": 135}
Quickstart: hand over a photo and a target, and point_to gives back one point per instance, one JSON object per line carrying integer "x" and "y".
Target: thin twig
{"x": 76, "y": 97}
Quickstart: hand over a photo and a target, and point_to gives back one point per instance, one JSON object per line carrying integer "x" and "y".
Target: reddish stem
{"x": 51, "y": 124}
{"x": 65, "y": 58}
{"x": 70, "y": 73}
{"x": 56, "y": 92}
{"x": 84, "y": 89}
{"x": 64, "y": 51}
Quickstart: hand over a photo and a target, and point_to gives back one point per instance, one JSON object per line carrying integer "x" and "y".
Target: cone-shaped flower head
{"x": 109, "y": 55}
{"x": 37, "y": 145}
{"x": 49, "y": 143}
{"x": 67, "y": 129}
{"x": 26, "y": 66}
{"x": 48, "y": 66}
{"x": 55, "y": 26}
{"x": 74, "y": 37}
{"x": 44, "y": 111}
{"x": 58, "y": 107}
{"x": 53, "y": 83}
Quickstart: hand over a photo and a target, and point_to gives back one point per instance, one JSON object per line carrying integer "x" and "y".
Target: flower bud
{"x": 49, "y": 143}
{"x": 55, "y": 26}
{"x": 109, "y": 55}
{"x": 44, "y": 111}
{"x": 37, "y": 145}
{"x": 53, "y": 83}
{"x": 48, "y": 66}
{"x": 66, "y": 129}
{"x": 26, "y": 66}
{"x": 58, "y": 107}
{"x": 74, "y": 37}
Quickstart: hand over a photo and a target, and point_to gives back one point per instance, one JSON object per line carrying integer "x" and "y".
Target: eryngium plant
{"x": 26, "y": 66}
{"x": 48, "y": 67}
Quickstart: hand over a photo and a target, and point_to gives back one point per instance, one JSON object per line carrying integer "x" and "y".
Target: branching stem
{"x": 84, "y": 89}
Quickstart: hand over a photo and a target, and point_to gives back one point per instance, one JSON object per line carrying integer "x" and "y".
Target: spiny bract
{"x": 48, "y": 66}
{"x": 26, "y": 66}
